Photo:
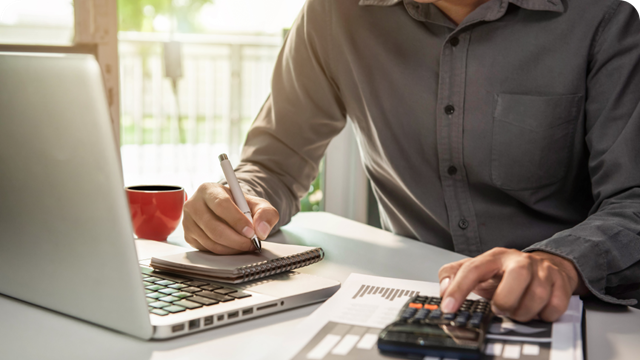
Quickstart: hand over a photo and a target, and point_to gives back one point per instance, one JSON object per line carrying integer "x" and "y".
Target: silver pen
{"x": 238, "y": 196}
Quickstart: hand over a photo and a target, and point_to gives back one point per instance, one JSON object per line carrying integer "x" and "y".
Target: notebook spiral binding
{"x": 275, "y": 266}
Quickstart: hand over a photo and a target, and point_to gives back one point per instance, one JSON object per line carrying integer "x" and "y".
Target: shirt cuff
{"x": 588, "y": 258}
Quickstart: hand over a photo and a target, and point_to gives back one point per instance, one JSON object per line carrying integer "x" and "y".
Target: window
{"x": 193, "y": 75}
{"x": 37, "y": 22}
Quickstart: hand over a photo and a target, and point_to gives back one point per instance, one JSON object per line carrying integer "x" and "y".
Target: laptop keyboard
{"x": 169, "y": 293}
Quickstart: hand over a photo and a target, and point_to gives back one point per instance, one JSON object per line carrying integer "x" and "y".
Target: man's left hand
{"x": 523, "y": 286}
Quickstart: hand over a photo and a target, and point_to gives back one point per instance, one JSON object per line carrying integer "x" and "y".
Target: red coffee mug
{"x": 155, "y": 209}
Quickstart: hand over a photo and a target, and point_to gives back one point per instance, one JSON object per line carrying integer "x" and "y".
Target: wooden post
{"x": 96, "y": 22}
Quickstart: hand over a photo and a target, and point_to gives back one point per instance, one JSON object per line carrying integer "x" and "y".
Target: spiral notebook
{"x": 273, "y": 259}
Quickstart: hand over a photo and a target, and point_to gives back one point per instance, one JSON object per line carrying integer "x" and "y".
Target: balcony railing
{"x": 225, "y": 81}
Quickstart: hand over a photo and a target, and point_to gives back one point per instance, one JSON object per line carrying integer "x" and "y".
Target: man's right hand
{"x": 213, "y": 222}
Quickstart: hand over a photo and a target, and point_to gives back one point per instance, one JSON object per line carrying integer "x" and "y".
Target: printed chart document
{"x": 346, "y": 327}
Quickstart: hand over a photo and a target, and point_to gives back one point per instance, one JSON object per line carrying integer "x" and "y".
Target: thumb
{"x": 265, "y": 216}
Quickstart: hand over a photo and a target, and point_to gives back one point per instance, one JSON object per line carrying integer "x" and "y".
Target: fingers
{"x": 448, "y": 272}
{"x": 197, "y": 238}
{"x": 527, "y": 286}
{"x": 517, "y": 277}
{"x": 220, "y": 201}
{"x": 212, "y": 221}
{"x": 471, "y": 274}
{"x": 558, "y": 301}
{"x": 536, "y": 296}
{"x": 265, "y": 216}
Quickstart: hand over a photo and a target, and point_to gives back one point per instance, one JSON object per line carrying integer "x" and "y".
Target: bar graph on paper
{"x": 386, "y": 293}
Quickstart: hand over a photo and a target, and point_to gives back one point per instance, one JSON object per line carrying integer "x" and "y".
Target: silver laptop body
{"x": 65, "y": 231}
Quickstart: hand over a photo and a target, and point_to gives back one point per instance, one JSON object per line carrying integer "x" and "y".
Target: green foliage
{"x": 138, "y": 15}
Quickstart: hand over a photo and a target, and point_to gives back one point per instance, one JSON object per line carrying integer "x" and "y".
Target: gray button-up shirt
{"x": 520, "y": 127}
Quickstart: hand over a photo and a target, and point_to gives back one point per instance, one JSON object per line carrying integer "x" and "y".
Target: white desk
{"x": 29, "y": 332}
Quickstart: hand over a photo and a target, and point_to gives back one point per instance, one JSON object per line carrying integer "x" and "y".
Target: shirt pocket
{"x": 532, "y": 139}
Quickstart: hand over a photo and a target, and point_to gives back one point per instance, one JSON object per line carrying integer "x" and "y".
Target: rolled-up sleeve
{"x": 605, "y": 248}
{"x": 287, "y": 141}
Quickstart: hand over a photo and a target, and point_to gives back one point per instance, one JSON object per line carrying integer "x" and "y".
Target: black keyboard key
{"x": 171, "y": 277}
{"x": 168, "y": 291}
{"x": 203, "y": 300}
{"x": 169, "y": 299}
{"x": 191, "y": 289}
{"x": 164, "y": 282}
{"x": 159, "y": 312}
{"x": 155, "y": 295}
{"x": 214, "y": 296}
{"x": 173, "y": 308}
{"x": 224, "y": 291}
{"x": 463, "y": 313}
{"x": 195, "y": 283}
{"x": 240, "y": 295}
{"x": 210, "y": 287}
{"x": 182, "y": 295}
{"x": 188, "y": 304}
{"x": 159, "y": 304}
{"x": 435, "y": 314}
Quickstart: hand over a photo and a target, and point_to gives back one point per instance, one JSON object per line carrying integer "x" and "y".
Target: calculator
{"x": 421, "y": 329}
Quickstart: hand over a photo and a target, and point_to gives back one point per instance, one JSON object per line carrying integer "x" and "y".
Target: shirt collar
{"x": 489, "y": 11}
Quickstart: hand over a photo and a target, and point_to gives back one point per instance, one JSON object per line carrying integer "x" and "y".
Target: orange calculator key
{"x": 431, "y": 306}
{"x": 415, "y": 305}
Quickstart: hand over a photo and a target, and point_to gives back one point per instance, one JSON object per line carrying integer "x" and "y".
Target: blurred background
{"x": 184, "y": 80}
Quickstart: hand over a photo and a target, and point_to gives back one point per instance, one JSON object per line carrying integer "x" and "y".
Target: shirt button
{"x": 449, "y": 109}
{"x": 463, "y": 224}
{"x": 454, "y": 41}
{"x": 452, "y": 170}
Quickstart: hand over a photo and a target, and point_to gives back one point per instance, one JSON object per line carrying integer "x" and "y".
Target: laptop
{"x": 66, "y": 239}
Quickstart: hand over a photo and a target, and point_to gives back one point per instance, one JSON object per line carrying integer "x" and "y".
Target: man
{"x": 508, "y": 130}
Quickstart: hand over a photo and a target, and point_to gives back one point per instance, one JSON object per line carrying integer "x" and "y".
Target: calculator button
{"x": 431, "y": 306}
{"x": 408, "y": 313}
{"x": 449, "y": 316}
{"x": 460, "y": 321}
{"x": 463, "y": 313}
{"x": 415, "y": 305}
{"x": 422, "y": 314}
{"x": 435, "y": 314}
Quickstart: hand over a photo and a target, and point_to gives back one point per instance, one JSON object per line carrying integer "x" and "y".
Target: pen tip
{"x": 223, "y": 157}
